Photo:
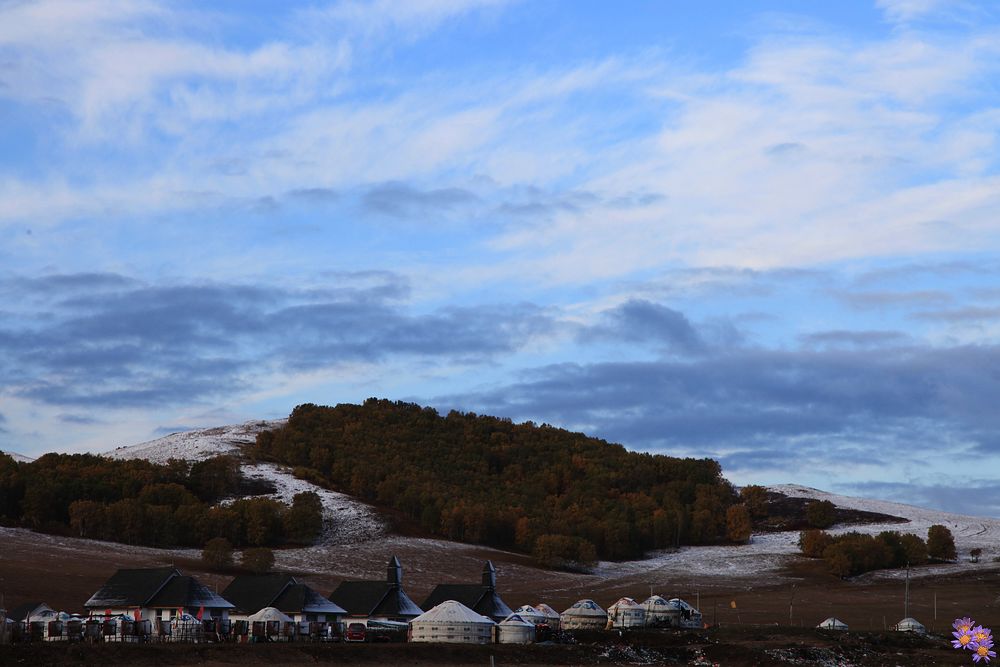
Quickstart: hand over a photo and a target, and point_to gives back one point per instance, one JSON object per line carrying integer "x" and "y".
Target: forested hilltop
{"x": 138, "y": 502}
{"x": 562, "y": 496}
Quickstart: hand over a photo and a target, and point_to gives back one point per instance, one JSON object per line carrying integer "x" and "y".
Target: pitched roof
{"x": 374, "y": 598}
{"x": 131, "y": 587}
{"x": 188, "y": 592}
{"x": 250, "y": 593}
{"x": 22, "y": 611}
{"x": 481, "y": 599}
{"x": 300, "y": 598}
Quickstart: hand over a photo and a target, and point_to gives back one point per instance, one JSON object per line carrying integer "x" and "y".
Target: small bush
{"x": 218, "y": 553}
{"x": 259, "y": 560}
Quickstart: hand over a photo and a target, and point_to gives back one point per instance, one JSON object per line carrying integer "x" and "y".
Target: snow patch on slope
{"x": 20, "y": 458}
{"x": 345, "y": 520}
{"x": 769, "y": 552}
{"x": 197, "y": 445}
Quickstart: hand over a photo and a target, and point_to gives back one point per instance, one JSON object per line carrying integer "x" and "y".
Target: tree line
{"x": 559, "y": 495}
{"x": 139, "y": 502}
{"x": 854, "y": 553}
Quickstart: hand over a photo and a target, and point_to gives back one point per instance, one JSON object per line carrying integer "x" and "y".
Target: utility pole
{"x": 906, "y": 596}
{"x": 790, "y": 598}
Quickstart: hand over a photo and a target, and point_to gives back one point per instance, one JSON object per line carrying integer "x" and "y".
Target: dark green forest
{"x": 561, "y": 496}
{"x": 138, "y": 502}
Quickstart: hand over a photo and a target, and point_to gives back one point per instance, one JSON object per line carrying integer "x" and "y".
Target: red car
{"x": 356, "y": 632}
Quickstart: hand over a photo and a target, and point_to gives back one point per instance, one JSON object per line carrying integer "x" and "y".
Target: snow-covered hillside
{"x": 350, "y": 522}
{"x": 20, "y": 458}
{"x": 768, "y": 552}
{"x": 345, "y": 520}
{"x": 196, "y": 445}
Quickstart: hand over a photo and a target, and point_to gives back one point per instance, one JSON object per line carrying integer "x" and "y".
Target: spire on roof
{"x": 489, "y": 576}
{"x": 394, "y": 572}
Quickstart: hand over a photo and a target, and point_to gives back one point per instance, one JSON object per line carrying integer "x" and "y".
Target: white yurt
{"x": 910, "y": 625}
{"x": 269, "y": 622}
{"x": 515, "y": 630}
{"x": 531, "y": 615}
{"x": 552, "y": 616}
{"x": 660, "y": 613}
{"x": 627, "y": 613}
{"x": 452, "y": 622}
{"x": 832, "y": 624}
{"x": 270, "y": 615}
{"x": 689, "y": 617}
{"x": 584, "y": 615}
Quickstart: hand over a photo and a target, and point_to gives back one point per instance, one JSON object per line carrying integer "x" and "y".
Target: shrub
{"x": 258, "y": 560}
{"x": 941, "y": 543}
{"x": 821, "y": 513}
{"x": 218, "y": 553}
{"x": 738, "y": 526}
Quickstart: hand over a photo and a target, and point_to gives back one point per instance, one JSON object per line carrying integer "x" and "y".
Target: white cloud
{"x": 907, "y": 10}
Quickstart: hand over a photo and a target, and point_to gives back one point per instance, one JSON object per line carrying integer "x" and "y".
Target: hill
{"x": 562, "y": 496}
{"x": 20, "y": 458}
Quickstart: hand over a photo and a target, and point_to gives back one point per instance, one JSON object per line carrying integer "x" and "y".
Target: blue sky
{"x": 763, "y": 232}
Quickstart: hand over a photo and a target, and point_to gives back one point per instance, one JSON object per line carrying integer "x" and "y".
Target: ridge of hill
{"x": 20, "y": 458}
{"x": 564, "y": 497}
{"x": 197, "y": 444}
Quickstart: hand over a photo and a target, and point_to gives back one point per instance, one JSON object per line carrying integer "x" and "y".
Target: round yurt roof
{"x": 624, "y": 603}
{"x": 270, "y": 614}
{"x": 585, "y": 608}
{"x": 655, "y": 600}
{"x": 910, "y": 624}
{"x": 680, "y": 604}
{"x": 546, "y": 610}
{"x": 833, "y": 624}
{"x": 515, "y": 619}
{"x": 529, "y": 612}
{"x": 451, "y": 611}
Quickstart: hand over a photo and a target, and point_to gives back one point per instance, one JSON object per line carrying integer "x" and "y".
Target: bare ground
{"x": 772, "y": 621}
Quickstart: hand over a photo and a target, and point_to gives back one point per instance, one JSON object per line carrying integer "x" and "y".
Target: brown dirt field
{"x": 736, "y": 647}
{"x": 64, "y": 572}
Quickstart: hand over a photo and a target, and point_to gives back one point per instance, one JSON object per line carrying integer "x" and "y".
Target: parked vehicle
{"x": 356, "y": 632}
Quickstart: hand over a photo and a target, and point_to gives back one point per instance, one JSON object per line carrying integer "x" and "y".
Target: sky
{"x": 763, "y": 232}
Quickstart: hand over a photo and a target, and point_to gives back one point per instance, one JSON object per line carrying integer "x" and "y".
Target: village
{"x": 163, "y": 605}
{"x": 142, "y": 605}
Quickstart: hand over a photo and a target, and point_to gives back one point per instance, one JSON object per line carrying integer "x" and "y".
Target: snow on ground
{"x": 351, "y": 524}
{"x": 345, "y": 520}
{"x": 20, "y": 458}
{"x": 197, "y": 445}
{"x": 768, "y": 552}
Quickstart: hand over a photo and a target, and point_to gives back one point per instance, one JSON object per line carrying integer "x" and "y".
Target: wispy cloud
{"x": 146, "y": 345}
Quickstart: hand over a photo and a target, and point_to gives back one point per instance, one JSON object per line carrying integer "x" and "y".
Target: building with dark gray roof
{"x": 160, "y": 593}
{"x": 251, "y": 593}
{"x": 481, "y": 598}
{"x": 378, "y": 600}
